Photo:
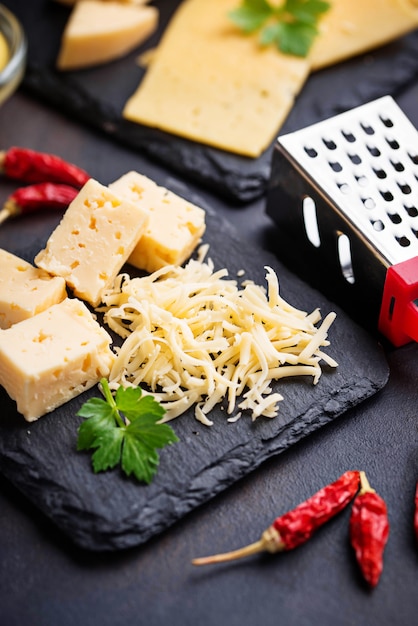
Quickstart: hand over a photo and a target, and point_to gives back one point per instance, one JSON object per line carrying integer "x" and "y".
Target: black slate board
{"x": 96, "y": 97}
{"x": 108, "y": 511}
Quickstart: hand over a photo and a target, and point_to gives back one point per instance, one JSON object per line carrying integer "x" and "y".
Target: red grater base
{"x": 344, "y": 195}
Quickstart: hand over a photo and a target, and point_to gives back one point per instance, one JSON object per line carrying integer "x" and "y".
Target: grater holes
{"x": 386, "y": 195}
{"x": 405, "y": 188}
{"x": 362, "y": 181}
{"x": 344, "y": 187}
{"x": 403, "y": 241}
{"x": 344, "y": 257}
{"x": 395, "y": 218}
{"x": 369, "y": 203}
{"x": 411, "y": 210}
{"x": 393, "y": 143}
{"x": 374, "y": 151}
{"x": 329, "y": 143}
{"x": 369, "y": 130}
{"x": 354, "y": 158}
{"x": 336, "y": 166}
{"x": 311, "y": 152}
{"x": 380, "y": 173}
{"x": 378, "y": 225}
{"x": 386, "y": 121}
{"x": 414, "y": 158}
{"x": 348, "y": 135}
{"x": 398, "y": 166}
{"x": 310, "y": 221}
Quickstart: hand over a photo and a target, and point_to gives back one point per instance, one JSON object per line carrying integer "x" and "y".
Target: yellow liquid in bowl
{"x": 4, "y": 52}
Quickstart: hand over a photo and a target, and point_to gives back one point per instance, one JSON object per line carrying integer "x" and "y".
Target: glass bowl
{"x": 12, "y": 33}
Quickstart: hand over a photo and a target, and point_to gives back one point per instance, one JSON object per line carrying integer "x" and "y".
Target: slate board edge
{"x": 87, "y": 536}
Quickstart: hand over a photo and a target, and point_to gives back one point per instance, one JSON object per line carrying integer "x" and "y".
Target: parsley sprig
{"x": 124, "y": 429}
{"x": 292, "y": 26}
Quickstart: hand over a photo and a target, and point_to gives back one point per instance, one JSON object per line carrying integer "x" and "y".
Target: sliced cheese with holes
{"x": 25, "y": 290}
{"x": 52, "y": 357}
{"x": 175, "y": 225}
{"x": 98, "y": 32}
{"x": 211, "y": 84}
{"x": 94, "y": 239}
{"x": 352, "y": 27}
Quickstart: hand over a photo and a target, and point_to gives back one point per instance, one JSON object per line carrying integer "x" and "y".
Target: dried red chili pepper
{"x": 31, "y": 166}
{"x": 38, "y": 197}
{"x": 369, "y": 531}
{"x": 298, "y": 525}
{"x": 416, "y": 512}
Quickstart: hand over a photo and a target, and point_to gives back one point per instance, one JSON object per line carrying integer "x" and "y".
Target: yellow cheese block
{"x": 25, "y": 290}
{"x": 174, "y": 228}
{"x": 4, "y": 52}
{"x": 352, "y": 27}
{"x": 98, "y": 32}
{"x": 211, "y": 84}
{"x": 94, "y": 239}
{"x": 52, "y": 357}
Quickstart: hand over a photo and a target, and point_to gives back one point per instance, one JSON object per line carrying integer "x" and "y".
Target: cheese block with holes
{"x": 175, "y": 225}
{"x": 98, "y": 32}
{"x": 25, "y": 290}
{"x": 52, "y": 357}
{"x": 95, "y": 237}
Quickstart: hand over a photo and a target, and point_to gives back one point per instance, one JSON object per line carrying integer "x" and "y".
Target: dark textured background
{"x": 46, "y": 580}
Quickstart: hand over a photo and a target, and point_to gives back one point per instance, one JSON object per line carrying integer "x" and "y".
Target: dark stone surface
{"x": 96, "y": 97}
{"x": 108, "y": 511}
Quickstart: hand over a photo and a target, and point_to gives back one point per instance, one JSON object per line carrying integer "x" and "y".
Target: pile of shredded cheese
{"x": 194, "y": 337}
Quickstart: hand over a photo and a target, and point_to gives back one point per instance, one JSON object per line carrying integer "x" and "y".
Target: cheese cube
{"x": 51, "y": 358}
{"x": 99, "y": 32}
{"x": 25, "y": 290}
{"x": 175, "y": 225}
{"x": 95, "y": 237}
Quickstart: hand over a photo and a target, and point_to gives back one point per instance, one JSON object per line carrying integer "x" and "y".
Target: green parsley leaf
{"x": 251, "y": 15}
{"x": 124, "y": 429}
{"x": 291, "y": 26}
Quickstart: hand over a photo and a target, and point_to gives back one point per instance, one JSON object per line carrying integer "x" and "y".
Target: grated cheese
{"x": 194, "y": 338}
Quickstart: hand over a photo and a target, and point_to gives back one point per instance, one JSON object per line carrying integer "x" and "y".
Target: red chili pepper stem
{"x": 364, "y": 484}
{"x": 297, "y": 526}
{"x": 269, "y": 542}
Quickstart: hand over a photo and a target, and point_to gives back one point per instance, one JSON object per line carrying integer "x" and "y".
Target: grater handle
{"x": 398, "y": 319}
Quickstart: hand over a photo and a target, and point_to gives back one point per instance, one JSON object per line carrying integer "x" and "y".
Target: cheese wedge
{"x": 51, "y": 358}
{"x": 25, "y": 290}
{"x": 94, "y": 239}
{"x": 175, "y": 225}
{"x": 352, "y": 27}
{"x": 98, "y": 32}
{"x": 211, "y": 84}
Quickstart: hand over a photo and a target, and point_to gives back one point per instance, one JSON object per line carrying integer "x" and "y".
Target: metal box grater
{"x": 344, "y": 195}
